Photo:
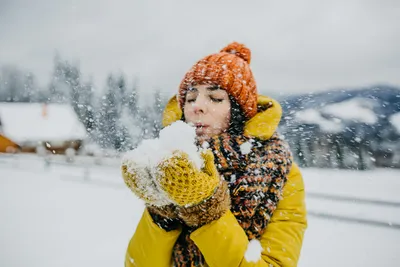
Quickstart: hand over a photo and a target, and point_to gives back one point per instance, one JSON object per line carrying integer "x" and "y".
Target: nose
{"x": 197, "y": 109}
{"x": 200, "y": 106}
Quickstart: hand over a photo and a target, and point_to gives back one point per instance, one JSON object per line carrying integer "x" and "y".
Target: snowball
{"x": 178, "y": 136}
{"x": 254, "y": 250}
{"x": 245, "y": 148}
{"x": 181, "y": 136}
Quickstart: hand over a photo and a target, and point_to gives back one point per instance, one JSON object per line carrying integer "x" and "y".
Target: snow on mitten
{"x": 201, "y": 196}
{"x": 142, "y": 185}
{"x": 139, "y": 180}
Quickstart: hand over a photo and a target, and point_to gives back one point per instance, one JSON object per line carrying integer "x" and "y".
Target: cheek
{"x": 227, "y": 112}
{"x": 224, "y": 117}
{"x": 188, "y": 112}
{"x": 227, "y": 118}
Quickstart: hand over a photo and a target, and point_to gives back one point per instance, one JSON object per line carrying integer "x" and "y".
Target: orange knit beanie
{"x": 228, "y": 69}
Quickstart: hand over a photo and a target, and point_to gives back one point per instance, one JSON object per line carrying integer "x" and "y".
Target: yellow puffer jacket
{"x": 223, "y": 242}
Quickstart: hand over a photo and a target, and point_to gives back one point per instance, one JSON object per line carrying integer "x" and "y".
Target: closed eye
{"x": 216, "y": 100}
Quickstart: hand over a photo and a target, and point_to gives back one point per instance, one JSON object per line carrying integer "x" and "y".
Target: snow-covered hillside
{"x": 313, "y": 116}
{"x": 333, "y": 118}
{"x": 354, "y": 110}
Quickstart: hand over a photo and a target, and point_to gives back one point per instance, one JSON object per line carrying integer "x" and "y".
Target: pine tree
{"x": 58, "y": 88}
{"x": 120, "y": 92}
{"x": 71, "y": 76}
{"x": 132, "y": 100}
{"x": 130, "y": 120}
{"x": 12, "y": 84}
{"x": 108, "y": 116}
{"x": 157, "y": 113}
{"x": 86, "y": 107}
{"x": 338, "y": 150}
{"x": 31, "y": 93}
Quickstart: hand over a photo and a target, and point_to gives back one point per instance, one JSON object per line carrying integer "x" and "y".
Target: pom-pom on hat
{"x": 228, "y": 69}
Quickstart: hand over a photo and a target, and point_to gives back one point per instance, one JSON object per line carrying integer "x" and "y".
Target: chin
{"x": 202, "y": 138}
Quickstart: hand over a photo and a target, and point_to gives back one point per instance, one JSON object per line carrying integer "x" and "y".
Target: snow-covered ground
{"x": 82, "y": 215}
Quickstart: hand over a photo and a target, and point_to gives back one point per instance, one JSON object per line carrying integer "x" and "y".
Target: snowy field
{"x": 82, "y": 215}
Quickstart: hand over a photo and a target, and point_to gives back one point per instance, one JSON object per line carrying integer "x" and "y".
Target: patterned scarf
{"x": 256, "y": 171}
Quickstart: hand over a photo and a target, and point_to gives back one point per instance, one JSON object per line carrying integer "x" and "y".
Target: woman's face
{"x": 208, "y": 108}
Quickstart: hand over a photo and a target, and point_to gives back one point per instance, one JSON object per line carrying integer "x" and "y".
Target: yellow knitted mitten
{"x": 183, "y": 182}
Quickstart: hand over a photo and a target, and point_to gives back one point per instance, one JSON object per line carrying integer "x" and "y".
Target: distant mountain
{"x": 387, "y": 98}
{"x": 359, "y": 119}
{"x": 348, "y": 105}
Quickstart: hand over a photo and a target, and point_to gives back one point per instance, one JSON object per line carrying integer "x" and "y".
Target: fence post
{"x": 86, "y": 174}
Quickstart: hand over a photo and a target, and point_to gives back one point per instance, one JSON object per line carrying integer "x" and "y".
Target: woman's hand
{"x": 200, "y": 195}
{"x": 177, "y": 188}
{"x": 183, "y": 183}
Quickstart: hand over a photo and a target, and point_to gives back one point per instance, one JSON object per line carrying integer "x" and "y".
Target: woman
{"x": 261, "y": 195}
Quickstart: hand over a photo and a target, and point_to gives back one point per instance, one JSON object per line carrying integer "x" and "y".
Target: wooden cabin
{"x": 8, "y": 146}
{"x": 27, "y": 127}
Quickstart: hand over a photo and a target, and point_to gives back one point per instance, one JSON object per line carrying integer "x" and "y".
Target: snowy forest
{"x": 350, "y": 129}
{"x": 113, "y": 116}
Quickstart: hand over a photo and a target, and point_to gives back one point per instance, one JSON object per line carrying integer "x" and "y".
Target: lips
{"x": 201, "y": 125}
{"x": 201, "y": 128}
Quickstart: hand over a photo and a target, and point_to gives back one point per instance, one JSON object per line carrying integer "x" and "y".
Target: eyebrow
{"x": 211, "y": 88}
{"x": 214, "y": 88}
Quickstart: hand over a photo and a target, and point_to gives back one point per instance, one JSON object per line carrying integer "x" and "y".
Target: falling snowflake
{"x": 245, "y": 148}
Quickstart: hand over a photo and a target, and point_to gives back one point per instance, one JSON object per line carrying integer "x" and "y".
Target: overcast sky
{"x": 297, "y": 46}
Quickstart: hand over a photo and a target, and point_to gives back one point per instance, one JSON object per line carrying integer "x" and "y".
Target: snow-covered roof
{"x": 312, "y": 116}
{"x": 355, "y": 109}
{"x": 36, "y": 122}
{"x": 395, "y": 121}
